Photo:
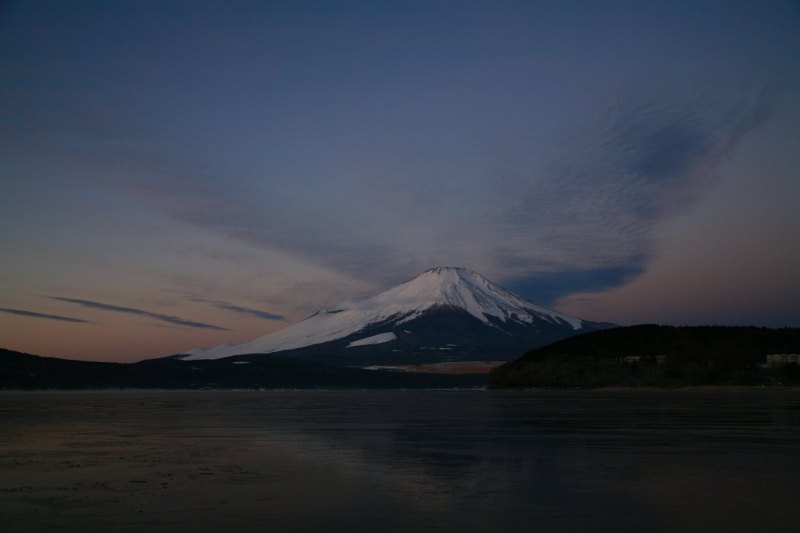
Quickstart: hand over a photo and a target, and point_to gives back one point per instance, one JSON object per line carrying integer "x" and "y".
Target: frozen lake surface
{"x": 687, "y": 460}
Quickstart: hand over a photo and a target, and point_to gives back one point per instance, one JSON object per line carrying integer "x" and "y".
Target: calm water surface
{"x": 400, "y": 461}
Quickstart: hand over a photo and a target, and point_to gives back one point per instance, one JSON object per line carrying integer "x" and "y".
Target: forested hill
{"x": 25, "y": 371}
{"x": 650, "y": 355}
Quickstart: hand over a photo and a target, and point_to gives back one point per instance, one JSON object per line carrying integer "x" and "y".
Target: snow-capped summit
{"x": 461, "y": 288}
{"x": 444, "y": 313}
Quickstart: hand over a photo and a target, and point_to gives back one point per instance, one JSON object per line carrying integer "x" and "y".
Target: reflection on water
{"x": 401, "y": 460}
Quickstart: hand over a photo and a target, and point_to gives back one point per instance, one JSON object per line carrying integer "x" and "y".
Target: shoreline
{"x": 692, "y": 388}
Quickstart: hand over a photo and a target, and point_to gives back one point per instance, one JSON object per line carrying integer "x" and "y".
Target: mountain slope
{"x": 442, "y": 314}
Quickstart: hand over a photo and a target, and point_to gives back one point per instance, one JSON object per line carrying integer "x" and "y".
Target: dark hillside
{"x": 24, "y": 371}
{"x": 650, "y": 355}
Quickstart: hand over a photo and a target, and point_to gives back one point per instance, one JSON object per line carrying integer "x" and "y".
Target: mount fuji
{"x": 444, "y": 314}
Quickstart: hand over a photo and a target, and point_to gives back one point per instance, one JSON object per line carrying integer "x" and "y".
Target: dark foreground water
{"x": 400, "y": 461}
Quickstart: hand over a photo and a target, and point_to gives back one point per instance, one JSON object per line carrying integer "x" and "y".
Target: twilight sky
{"x": 183, "y": 174}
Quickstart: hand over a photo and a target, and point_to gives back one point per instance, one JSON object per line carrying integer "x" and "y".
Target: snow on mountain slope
{"x": 380, "y": 338}
{"x": 437, "y": 288}
{"x": 464, "y": 289}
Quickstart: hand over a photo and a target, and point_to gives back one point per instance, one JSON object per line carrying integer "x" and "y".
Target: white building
{"x": 780, "y": 359}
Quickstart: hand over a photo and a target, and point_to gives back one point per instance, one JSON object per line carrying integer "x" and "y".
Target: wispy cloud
{"x": 595, "y": 210}
{"x": 34, "y": 314}
{"x": 139, "y": 312}
{"x": 592, "y": 208}
{"x": 590, "y": 204}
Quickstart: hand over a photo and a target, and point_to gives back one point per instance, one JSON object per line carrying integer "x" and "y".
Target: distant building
{"x": 636, "y": 358}
{"x": 780, "y": 359}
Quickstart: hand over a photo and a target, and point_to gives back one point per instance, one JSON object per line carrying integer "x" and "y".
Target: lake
{"x": 391, "y": 460}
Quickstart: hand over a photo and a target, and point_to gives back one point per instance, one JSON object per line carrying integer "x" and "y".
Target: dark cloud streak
{"x": 139, "y": 312}
{"x": 244, "y": 310}
{"x": 34, "y": 314}
{"x": 548, "y": 287}
{"x": 227, "y": 306}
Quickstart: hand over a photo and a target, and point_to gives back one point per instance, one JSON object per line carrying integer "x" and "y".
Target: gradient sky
{"x": 183, "y": 174}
